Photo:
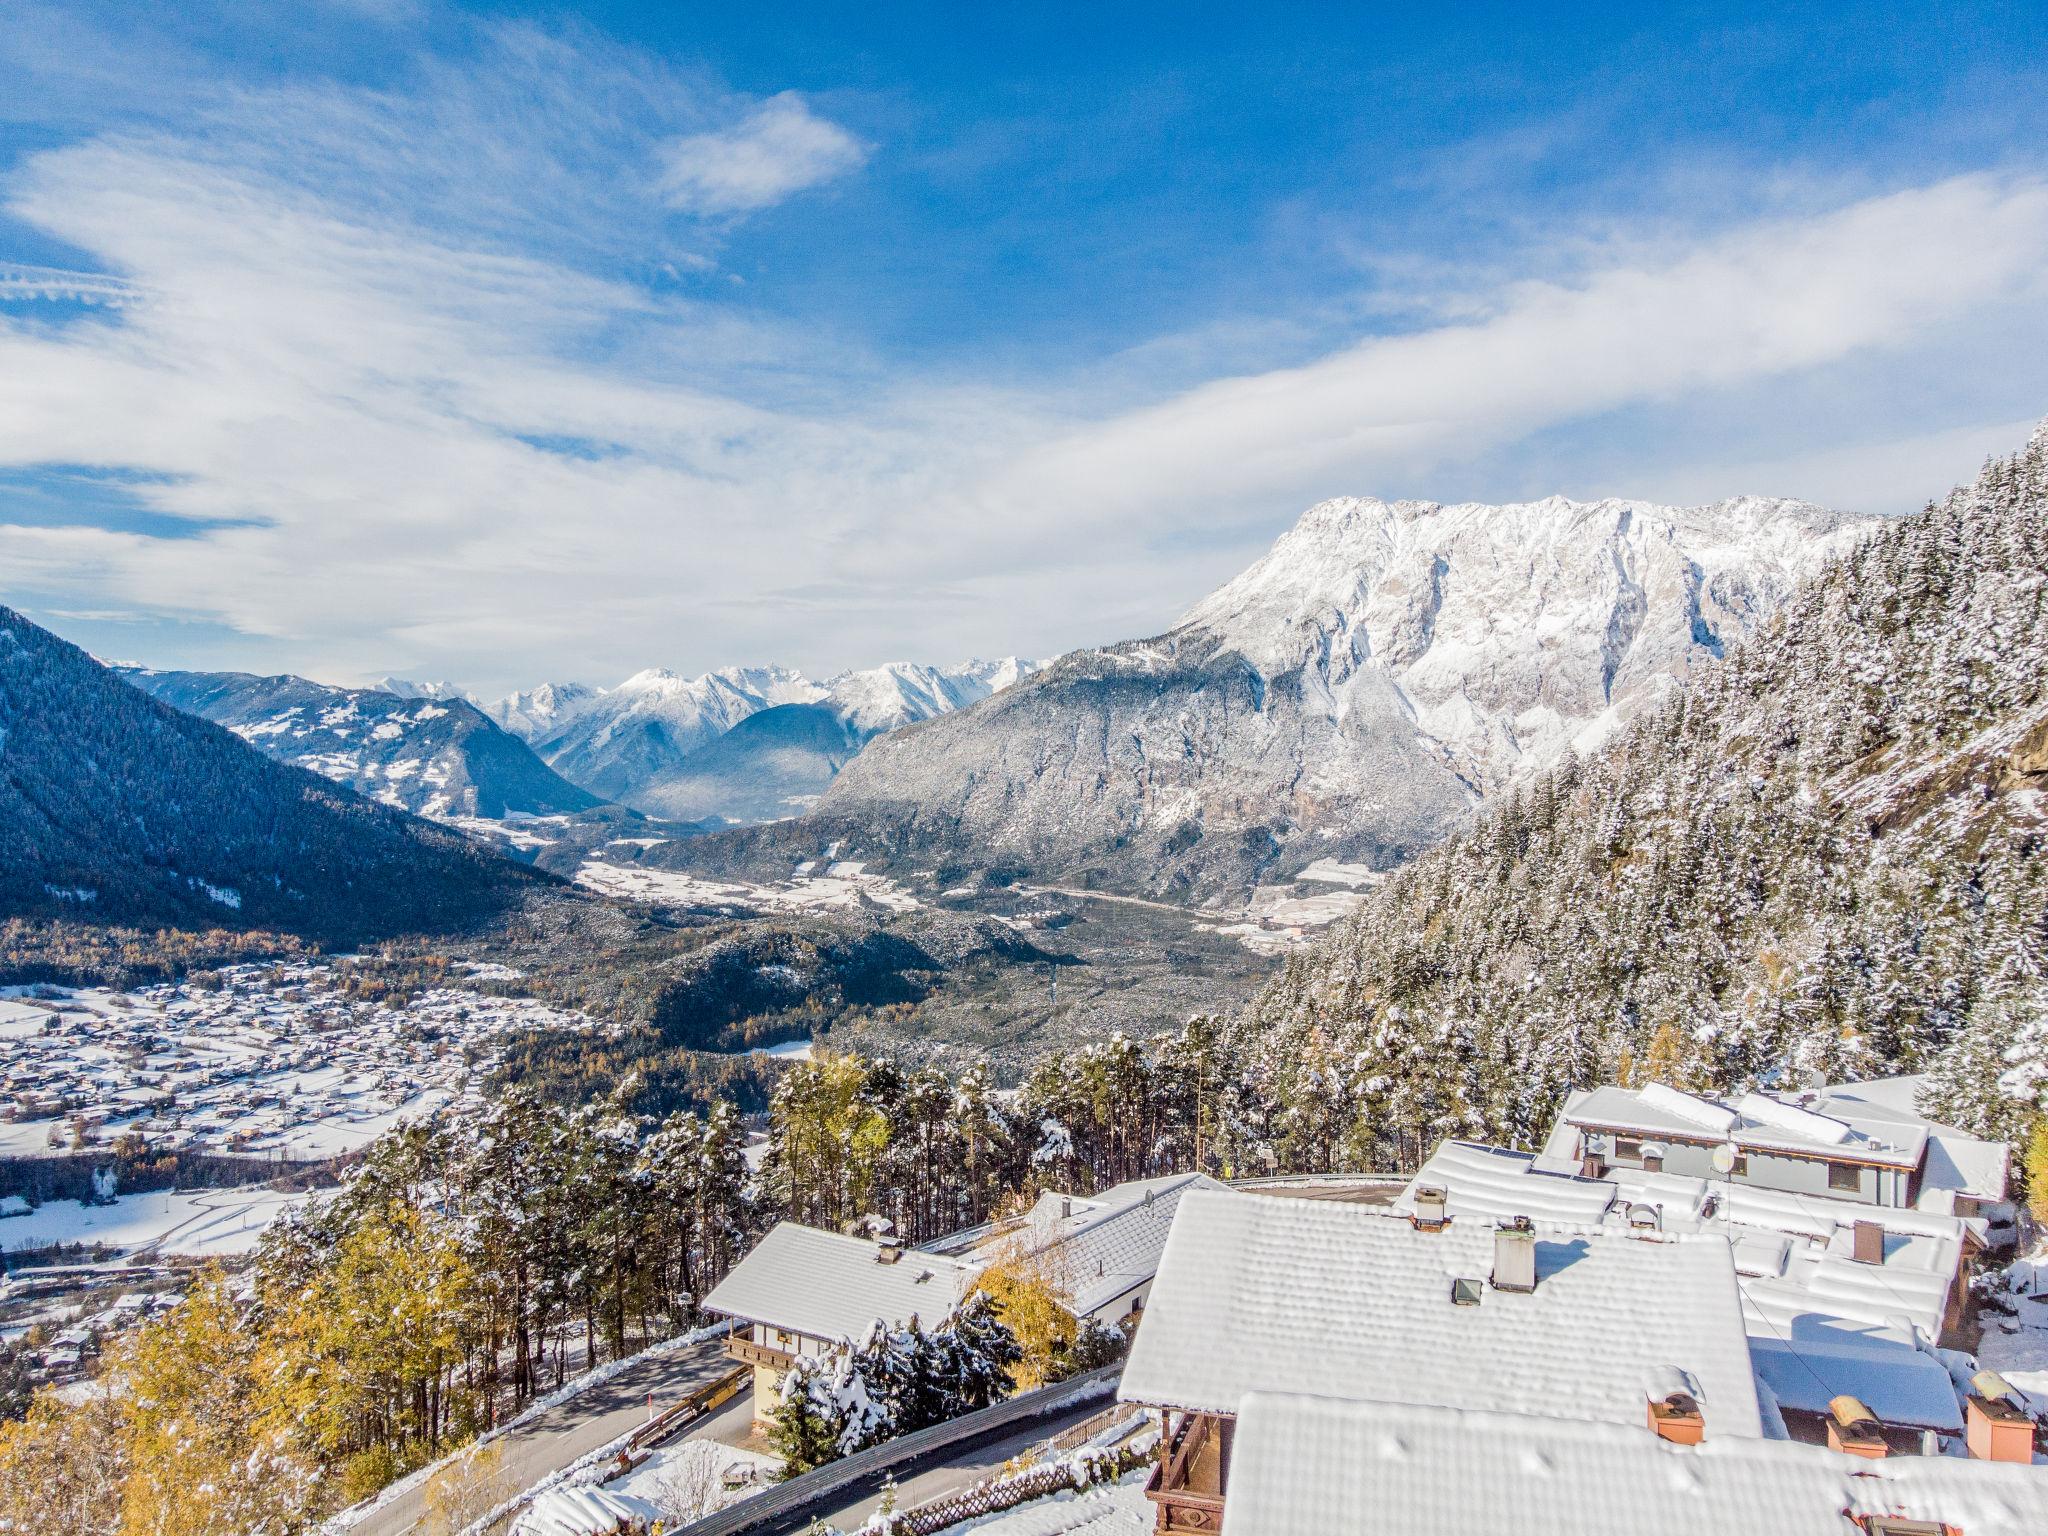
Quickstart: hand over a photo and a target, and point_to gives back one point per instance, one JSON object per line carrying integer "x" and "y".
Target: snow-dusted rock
{"x": 1350, "y": 695}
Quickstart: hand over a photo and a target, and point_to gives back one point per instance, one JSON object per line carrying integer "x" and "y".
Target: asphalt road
{"x": 551, "y": 1440}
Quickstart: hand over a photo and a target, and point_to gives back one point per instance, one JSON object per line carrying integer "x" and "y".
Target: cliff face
{"x": 1351, "y": 695}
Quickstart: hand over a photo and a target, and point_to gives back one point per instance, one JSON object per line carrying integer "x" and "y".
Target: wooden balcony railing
{"x": 747, "y": 1352}
{"x": 1186, "y": 1485}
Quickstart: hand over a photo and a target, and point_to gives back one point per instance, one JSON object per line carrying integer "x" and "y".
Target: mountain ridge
{"x": 432, "y": 753}
{"x": 117, "y": 808}
{"x": 1351, "y": 695}
{"x": 1827, "y": 855}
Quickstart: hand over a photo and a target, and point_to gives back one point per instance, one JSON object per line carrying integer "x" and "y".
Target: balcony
{"x": 744, "y": 1350}
{"x": 1187, "y": 1485}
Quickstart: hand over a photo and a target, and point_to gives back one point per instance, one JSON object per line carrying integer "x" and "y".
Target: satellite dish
{"x": 1724, "y": 1157}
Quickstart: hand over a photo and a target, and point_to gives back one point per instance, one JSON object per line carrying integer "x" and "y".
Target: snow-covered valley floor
{"x": 276, "y": 1062}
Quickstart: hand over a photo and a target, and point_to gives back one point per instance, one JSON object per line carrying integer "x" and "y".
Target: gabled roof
{"x": 834, "y": 1287}
{"x": 1099, "y": 1247}
{"x": 1842, "y": 1326}
{"x": 1871, "y": 1122}
{"x": 1307, "y": 1466}
{"x": 1263, "y": 1294}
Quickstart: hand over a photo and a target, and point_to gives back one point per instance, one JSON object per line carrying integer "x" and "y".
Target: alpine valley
{"x": 1343, "y": 704}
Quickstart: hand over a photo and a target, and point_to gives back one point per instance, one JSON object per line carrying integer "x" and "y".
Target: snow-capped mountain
{"x": 1351, "y": 695}
{"x": 671, "y": 745}
{"x": 435, "y": 756}
{"x": 630, "y": 738}
{"x": 778, "y": 761}
{"x": 409, "y": 688}
{"x": 537, "y": 713}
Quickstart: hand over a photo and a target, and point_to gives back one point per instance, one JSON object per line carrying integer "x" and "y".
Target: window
{"x": 1627, "y": 1149}
{"x": 1845, "y": 1179}
{"x": 1739, "y": 1169}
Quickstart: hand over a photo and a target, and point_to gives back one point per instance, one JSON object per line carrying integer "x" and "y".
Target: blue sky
{"x": 505, "y": 344}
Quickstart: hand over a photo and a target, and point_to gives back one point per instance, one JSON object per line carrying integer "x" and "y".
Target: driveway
{"x": 595, "y": 1417}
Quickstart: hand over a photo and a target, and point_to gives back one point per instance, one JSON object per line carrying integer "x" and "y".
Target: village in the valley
{"x": 264, "y": 1069}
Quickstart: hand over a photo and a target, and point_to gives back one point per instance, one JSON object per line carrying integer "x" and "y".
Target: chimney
{"x": 888, "y": 1248}
{"x": 1869, "y": 1242}
{"x": 1653, "y": 1157}
{"x": 1996, "y": 1428}
{"x": 1429, "y": 1208}
{"x": 1066, "y": 1206}
{"x": 1854, "y": 1430}
{"x": 1514, "y": 1256}
{"x": 1593, "y": 1166}
{"x": 1677, "y": 1418}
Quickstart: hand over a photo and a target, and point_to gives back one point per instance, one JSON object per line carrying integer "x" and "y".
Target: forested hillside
{"x": 115, "y": 808}
{"x": 438, "y": 757}
{"x": 1824, "y": 855}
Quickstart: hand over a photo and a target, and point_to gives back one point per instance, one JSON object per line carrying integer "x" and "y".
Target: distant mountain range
{"x": 432, "y": 753}
{"x": 672, "y": 746}
{"x": 1352, "y": 695}
{"x": 115, "y": 807}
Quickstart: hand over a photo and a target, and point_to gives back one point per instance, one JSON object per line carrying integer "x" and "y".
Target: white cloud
{"x": 443, "y": 459}
{"x": 779, "y": 148}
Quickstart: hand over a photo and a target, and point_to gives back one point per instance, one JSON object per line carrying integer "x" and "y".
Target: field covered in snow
{"x": 813, "y": 886}
{"x": 201, "y": 1224}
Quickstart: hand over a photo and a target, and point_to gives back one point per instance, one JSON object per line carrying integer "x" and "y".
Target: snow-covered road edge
{"x": 355, "y": 1514}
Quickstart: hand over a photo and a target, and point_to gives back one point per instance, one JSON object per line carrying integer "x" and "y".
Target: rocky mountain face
{"x": 1827, "y": 853}
{"x": 433, "y": 754}
{"x": 117, "y": 808}
{"x": 739, "y": 745}
{"x": 1352, "y": 695}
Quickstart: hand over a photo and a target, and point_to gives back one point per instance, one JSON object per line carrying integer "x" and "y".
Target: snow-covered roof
{"x": 1873, "y": 1122}
{"x": 1902, "y": 1386}
{"x": 833, "y": 1287}
{"x": 1099, "y": 1247}
{"x": 1264, "y": 1294}
{"x": 1308, "y": 1466}
{"x": 1804, "y": 1295}
{"x": 585, "y": 1512}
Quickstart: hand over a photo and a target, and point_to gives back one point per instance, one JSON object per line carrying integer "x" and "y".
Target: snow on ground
{"x": 276, "y": 1062}
{"x": 843, "y": 885}
{"x": 2017, "y": 1346}
{"x": 1121, "y": 1509}
{"x": 788, "y": 1050}
{"x": 208, "y": 1223}
{"x": 689, "y": 1479}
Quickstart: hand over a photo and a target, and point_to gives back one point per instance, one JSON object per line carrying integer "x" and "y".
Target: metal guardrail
{"x": 800, "y": 1495}
{"x": 670, "y": 1421}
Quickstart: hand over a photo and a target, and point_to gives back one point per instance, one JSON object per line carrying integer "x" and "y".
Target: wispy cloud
{"x": 779, "y": 148}
{"x": 398, "y": 361}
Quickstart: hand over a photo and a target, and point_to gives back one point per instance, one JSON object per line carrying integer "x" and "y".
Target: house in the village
{"x": 1861, "y": 1142}
{"x": 1099, "y": 1252}
{"x": 804, "y": 1292}
{"x": 1623, "y": 1328}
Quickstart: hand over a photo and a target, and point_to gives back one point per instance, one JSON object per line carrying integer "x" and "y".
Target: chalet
{"x": 1837, "y": 1298}
{"x": 802, "y": 1292}
{"x": 1100, "y": 1252}
{"x": 1862, "y": 1142}
{"x": 1318, "y": 1466}
{"x": 1638, "y": 1331}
